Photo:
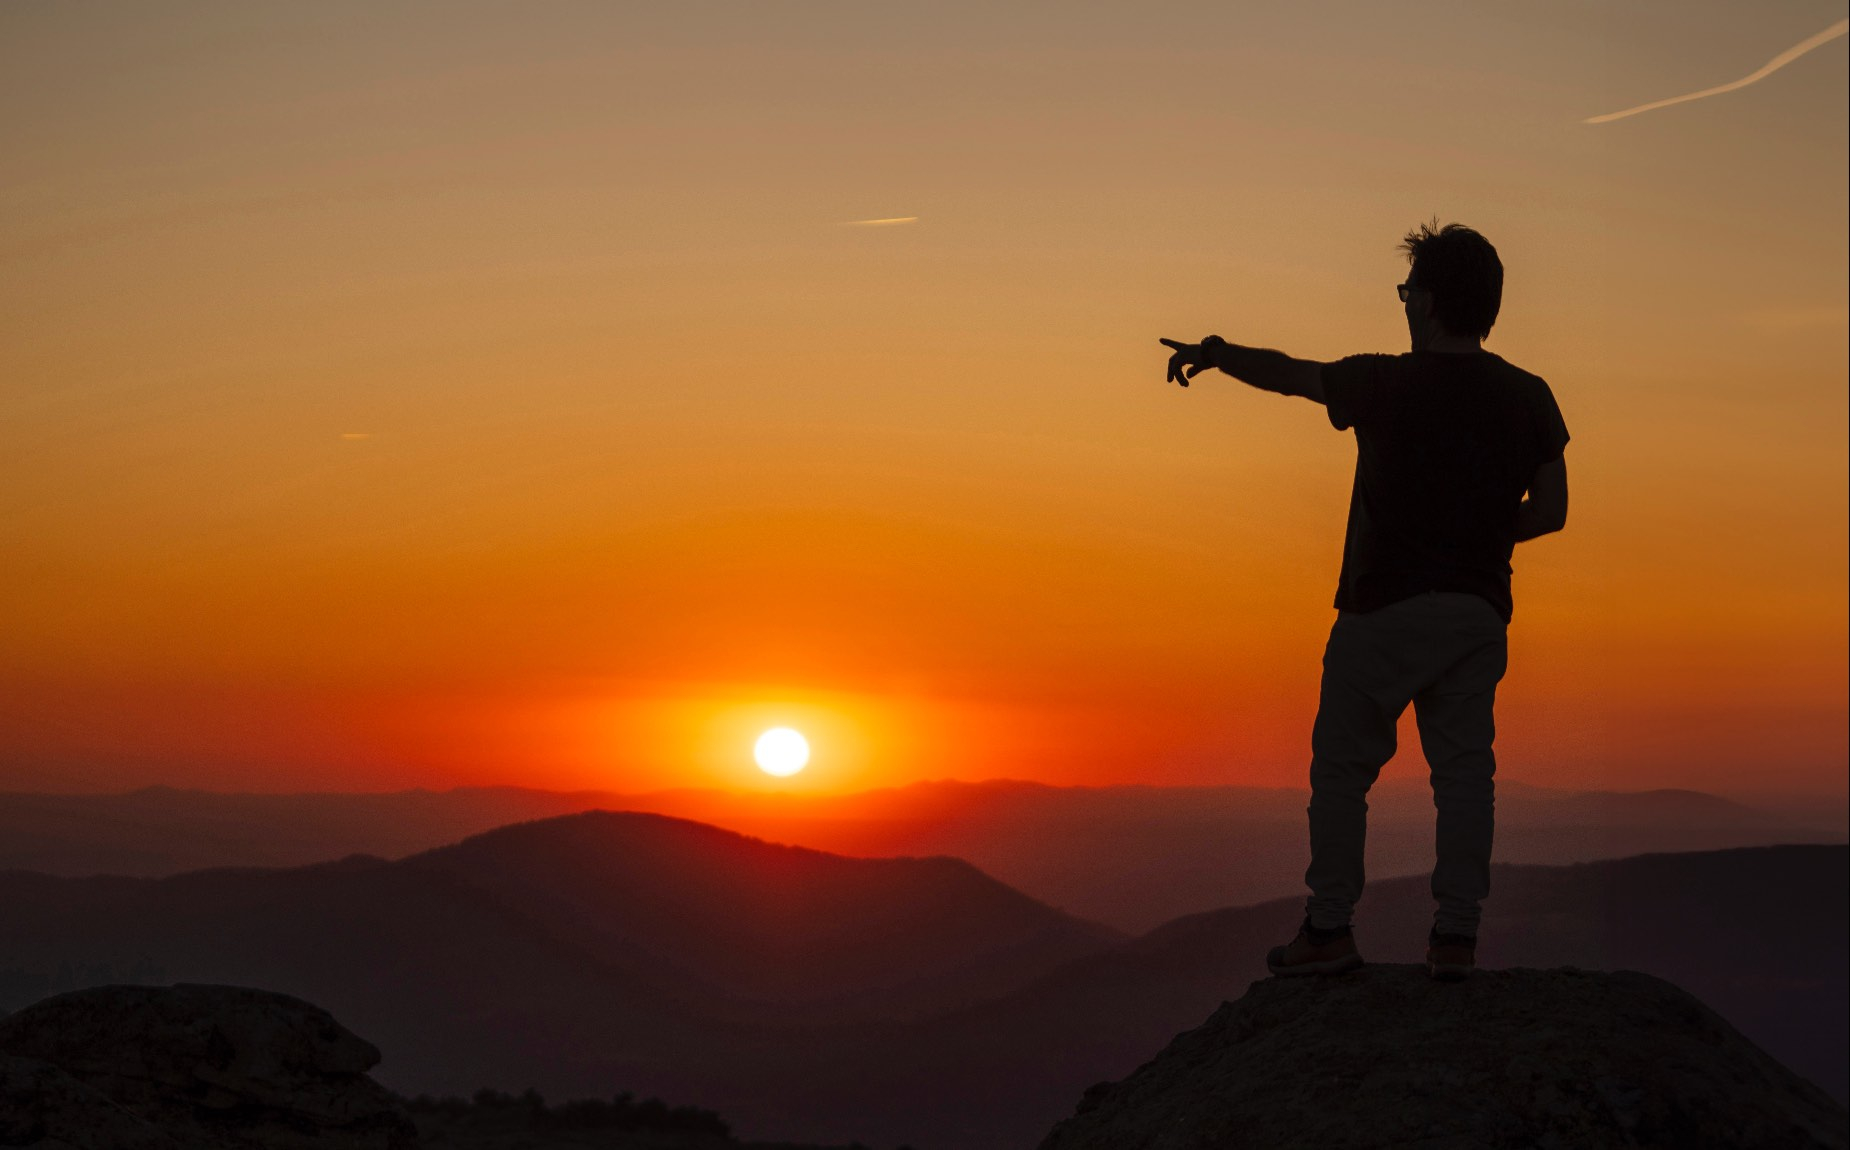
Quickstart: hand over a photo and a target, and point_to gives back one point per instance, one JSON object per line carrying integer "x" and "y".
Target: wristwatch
{"x": 1210, "y": 349}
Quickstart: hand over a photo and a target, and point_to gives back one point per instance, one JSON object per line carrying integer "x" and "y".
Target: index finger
{"x": 1177, "y": 345}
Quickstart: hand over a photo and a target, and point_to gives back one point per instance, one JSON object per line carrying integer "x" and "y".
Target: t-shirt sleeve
{"x": 1551, "y": 428}
{"x": 1349, "y": 390}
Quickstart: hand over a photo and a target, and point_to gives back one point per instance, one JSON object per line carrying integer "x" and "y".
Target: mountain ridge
{"x": 772, "y": 912}
{"x": 468, "y": 987}
{"x": 1132, "y": 856}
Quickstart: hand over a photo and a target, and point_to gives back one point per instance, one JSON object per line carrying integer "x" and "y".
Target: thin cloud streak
{"x": 1771, "y": 66}
{"x": 889, "y": 222}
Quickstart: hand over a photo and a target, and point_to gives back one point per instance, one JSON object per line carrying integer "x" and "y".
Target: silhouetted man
{"x": 1459, "y": 458}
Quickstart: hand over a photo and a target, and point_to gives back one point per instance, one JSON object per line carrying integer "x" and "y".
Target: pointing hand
{"x": 1190, "y": 359}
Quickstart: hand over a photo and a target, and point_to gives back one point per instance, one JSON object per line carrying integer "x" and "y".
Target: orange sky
{"x": 437, "y": 394}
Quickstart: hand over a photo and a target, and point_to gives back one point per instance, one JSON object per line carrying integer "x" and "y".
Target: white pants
{"x": 1444, "y": 652}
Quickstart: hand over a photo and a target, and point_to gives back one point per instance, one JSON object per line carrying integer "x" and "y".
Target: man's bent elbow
{"x": 1533, "y": 522}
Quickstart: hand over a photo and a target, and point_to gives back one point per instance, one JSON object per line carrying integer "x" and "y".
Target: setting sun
{"x": 781, "y": 752}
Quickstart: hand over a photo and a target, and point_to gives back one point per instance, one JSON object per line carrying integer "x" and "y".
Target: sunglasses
{"x": 1406, "y": 290}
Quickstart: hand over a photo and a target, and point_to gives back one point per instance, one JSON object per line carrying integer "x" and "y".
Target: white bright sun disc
{"x": 781, "y": 752}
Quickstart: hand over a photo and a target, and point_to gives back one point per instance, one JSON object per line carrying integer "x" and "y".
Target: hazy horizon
{"x": 1390, "y": 782}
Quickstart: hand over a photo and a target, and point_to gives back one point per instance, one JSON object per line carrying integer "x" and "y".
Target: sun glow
{"x": 781, "y": 751}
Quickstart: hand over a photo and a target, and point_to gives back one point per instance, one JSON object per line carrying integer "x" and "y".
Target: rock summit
{"x": 1386, "y": 1057}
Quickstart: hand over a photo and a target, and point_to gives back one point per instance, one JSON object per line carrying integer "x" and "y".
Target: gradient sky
{"x": 433, "y": 394}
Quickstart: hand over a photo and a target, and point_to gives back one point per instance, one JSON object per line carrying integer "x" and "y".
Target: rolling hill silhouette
{"x": 682, "y": 912}
{"x": 769, "y": 923}
{"x": 575, "y": 953}
{"x": 828, "y": 998}
{"x": 1133, "y": 857}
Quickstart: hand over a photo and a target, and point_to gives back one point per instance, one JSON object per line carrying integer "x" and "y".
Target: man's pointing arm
{"x": 1257, "y": 366}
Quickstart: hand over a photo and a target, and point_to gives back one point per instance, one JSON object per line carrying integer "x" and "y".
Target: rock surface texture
{"x": 44, "y": 1108}
{"x": 1386, "y": 1057}
{"x": 202, "y": 1067}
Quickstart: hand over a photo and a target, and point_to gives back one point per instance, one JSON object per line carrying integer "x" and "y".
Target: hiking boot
{"x": 1450, "y": 957}
{"x": 1314, "y": 951}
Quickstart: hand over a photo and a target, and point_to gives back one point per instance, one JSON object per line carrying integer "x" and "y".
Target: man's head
{"x": 1455, "y": 282}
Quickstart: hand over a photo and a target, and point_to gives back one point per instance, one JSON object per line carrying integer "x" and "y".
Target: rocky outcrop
{"x": 1557, "y": 1059}
{"x": 44, "y": 1108}
{"x": 202, "y": 1067}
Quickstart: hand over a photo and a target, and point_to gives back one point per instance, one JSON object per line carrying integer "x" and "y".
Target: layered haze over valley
{"x": 1130, "y": 856}
{"x": 808, "y": 994}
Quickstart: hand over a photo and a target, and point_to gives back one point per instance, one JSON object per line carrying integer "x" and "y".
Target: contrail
{"x": 883, "y": 223}
{"x": 1771, "y": 66}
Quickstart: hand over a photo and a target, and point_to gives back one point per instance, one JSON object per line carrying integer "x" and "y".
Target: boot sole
{"x": 1341, "y": 965}
{"x": 1449, "y": 973}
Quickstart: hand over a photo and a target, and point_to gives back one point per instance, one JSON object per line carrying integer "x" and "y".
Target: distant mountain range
{"x": 1129, "y": 856}
{"x": 676, "y": 918}
{"x": 814, "y": 996}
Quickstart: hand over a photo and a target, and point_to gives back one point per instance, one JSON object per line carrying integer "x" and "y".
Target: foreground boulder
{"x": 1385, "y": 1056}
{"x": 42, "y": 1106}
{"x": 203, "y": 1067}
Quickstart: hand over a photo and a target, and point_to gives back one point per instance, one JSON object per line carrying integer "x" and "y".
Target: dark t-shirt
{"x": 1446, "y": 445}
